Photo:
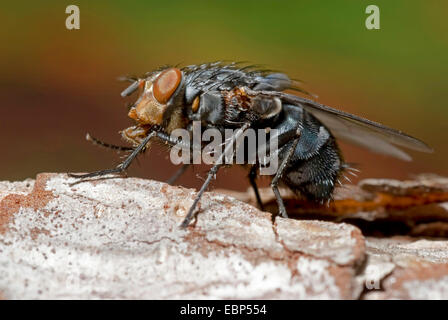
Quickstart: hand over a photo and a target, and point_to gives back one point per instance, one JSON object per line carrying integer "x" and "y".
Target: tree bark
{"x": 120, "y": 238}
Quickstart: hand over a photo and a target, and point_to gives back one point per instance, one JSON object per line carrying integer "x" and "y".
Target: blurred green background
{"x": 58, "y": 84}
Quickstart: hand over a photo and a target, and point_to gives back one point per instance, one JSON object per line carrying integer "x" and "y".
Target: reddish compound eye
{"x": 165, "y": 84}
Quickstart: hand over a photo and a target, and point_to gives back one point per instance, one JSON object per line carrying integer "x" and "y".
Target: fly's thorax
{"x": 233, "y": 107}
{"x": 237, "y": 98}
{"x": 261, "y": 106}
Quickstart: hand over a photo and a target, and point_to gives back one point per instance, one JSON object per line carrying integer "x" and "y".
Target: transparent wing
{"x": 360, "y": 131}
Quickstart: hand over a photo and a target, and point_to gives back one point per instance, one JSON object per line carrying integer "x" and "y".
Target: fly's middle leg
{"x": 177, "y": 174}
{"x": 211, "y": 174}
{"x": 278, "y": 175}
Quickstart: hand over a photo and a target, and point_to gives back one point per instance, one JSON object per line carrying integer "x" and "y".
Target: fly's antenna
{"x": 131, "y": 89}
{"x": 100, "y": 143}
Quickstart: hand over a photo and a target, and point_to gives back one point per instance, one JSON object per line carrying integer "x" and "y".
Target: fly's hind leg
{"x": 252, "y": 176}
{"x": 278, "y": 175}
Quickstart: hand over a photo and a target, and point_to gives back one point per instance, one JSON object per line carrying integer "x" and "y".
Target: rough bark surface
{"x": 120, "y": 238}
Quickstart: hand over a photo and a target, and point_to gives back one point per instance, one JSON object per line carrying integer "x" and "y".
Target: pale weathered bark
{"x": 120, "y": 238}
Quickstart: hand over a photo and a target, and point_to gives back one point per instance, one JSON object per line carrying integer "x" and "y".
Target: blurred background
{"x": 58, "y": 84}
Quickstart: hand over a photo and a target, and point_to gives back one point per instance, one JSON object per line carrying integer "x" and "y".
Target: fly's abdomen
{"x": 317, "y": 162}
{"x": 316, "y": 177}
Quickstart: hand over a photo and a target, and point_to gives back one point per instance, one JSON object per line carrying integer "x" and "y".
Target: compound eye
{"x": 165, "y": 84}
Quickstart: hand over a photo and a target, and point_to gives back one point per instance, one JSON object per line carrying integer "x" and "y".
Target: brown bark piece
{"x": 416, "y": 207}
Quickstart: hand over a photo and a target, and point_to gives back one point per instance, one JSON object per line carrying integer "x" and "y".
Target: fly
{"x": 242, "y": 97}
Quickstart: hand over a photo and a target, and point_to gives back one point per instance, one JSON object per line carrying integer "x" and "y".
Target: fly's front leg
{"x": 211, "y": 174}
{"x": 122, "y": 166}
{"x": 280, "y": 171}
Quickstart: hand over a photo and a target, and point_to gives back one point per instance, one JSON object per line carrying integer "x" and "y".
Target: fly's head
{"x": 160, "y": 100}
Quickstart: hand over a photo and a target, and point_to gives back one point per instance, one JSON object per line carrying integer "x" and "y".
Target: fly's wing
{"x": 359, "y": 131}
